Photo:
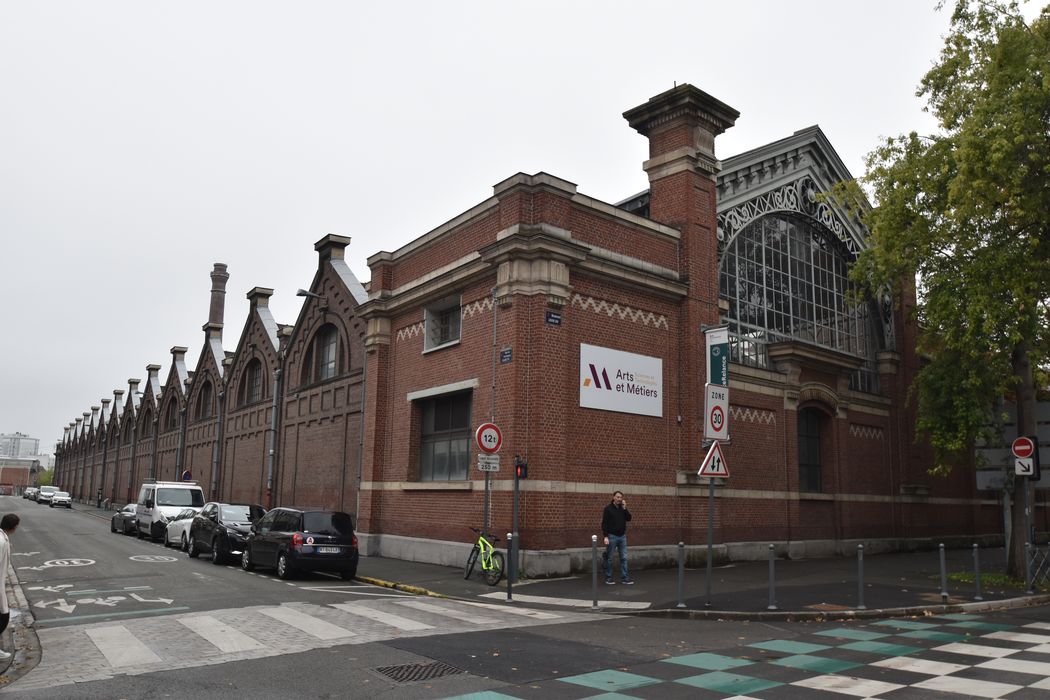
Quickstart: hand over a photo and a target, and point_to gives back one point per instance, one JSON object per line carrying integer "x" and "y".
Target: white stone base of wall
{"x": 550, "y": 563}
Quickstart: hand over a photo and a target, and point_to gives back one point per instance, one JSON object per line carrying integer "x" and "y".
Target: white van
{"x": 160, "y": 500}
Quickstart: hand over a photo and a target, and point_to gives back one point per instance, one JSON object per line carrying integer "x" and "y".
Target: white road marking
{"x": 861, "y": 687}
{"x": 307, "y": 623}
{"x": 524, "y": 612}
{"x": 120, "y": 647}
{"x": 1038, "y": 668}
{"x": 1019, "y": 637}
{"x": 573, "y": 602}
{"x": 967, "y": 686}
{"x": 924, "y": 666}
{"x": 460, "y": 615}
{"x": 401, "y": 623}
{"x": 976, "y": 650}
{"x": 220, "y": 635}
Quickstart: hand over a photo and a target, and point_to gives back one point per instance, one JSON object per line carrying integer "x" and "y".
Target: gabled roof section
{"x": 331, "y": 251}
{"x": 786, "y": 176}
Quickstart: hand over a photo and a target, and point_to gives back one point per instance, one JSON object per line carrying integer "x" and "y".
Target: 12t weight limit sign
{"x": 489, "y": 438}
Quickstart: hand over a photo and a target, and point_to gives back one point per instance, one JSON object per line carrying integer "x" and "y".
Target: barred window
{"x": 787, "y": 279}
{"x": 325, "y": 357}
{"x": 251, "y": 388}
{"x": 445, "y": 437}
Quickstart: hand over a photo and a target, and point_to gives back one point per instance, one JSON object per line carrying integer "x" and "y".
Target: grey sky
{"x": 140, "y": 142}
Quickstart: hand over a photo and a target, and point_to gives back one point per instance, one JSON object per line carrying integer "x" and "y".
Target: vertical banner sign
{"x": 718, "y": 355}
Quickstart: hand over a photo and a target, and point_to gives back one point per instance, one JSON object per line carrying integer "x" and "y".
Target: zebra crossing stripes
{"x": 98, "y": 651}
{"x": 395, "y": 621}
{"x": 220, "y": 635}
{"x": 462, "y": 615}
{"x": 313, "y": 626}
{"x": 120, "y": 647}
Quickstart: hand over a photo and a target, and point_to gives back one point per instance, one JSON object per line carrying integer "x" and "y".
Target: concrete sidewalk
{"x": 894, "y": 584}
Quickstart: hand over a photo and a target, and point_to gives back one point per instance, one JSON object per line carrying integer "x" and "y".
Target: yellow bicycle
{"x": 491, "y": 559}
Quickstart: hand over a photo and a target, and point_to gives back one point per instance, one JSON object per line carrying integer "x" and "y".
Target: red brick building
{"x": 577, "y": 326}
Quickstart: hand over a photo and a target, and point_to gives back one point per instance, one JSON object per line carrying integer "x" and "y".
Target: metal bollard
{"x": 772, "y": 580}
{"x": 860, "y": 577}
{"x": 944, "y": 577}
{"x": 977, "y": 572}
{"x": 594, "y": 570}
{"x": 510, "y": 567}
{"x": 681, "y": 573}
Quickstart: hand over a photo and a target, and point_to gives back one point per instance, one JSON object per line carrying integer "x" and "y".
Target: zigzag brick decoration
{"x": 646, "y": 318}
{"x": 865, "y": 431}
{"x": 476, "y": 307}
{"x": 752, "y": 415}
{"x": 410, "y": 331}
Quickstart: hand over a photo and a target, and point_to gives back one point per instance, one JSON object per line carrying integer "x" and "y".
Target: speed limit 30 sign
{"x": 489, "y": 438}
{"x": 716, "y": 412}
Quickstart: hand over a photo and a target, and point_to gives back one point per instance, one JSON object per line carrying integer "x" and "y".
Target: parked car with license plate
{"x": 297, "y": 539}
{"x": 178, "y": 526}
{"x": 222, "y": 529}
{"x": 44, "y": 495}
{"x": 62, "y": 498}
{"x": 123, "y": 521}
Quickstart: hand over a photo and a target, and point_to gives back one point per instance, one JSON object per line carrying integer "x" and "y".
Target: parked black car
{"x": 297, "y": 539}
{"x": 123, "y": 521}
{"x": 222, "y": 529}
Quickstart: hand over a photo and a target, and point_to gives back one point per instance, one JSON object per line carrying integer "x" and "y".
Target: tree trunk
{"x": 1020, "y": 518}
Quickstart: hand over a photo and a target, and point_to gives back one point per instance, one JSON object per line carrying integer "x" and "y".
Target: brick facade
{"x": 330, "y": 411}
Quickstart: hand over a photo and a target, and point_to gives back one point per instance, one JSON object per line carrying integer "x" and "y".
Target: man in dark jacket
{"x": 614, "y": 528}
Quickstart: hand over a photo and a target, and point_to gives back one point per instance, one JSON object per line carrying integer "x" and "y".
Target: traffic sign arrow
{"x": 714, "y": 463}
{"x": 1024, "y": 466}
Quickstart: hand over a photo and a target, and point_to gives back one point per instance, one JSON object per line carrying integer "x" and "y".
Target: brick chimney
{"x": 219, "y": 277}
{"x": 681, "y": 125}
{"x": 118, "y": 402}
{"x": 332, "y": 247}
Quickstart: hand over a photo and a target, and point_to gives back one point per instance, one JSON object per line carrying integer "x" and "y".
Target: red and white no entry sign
{"x": 489, "y": 438}
{"x": 1023, "y": 447}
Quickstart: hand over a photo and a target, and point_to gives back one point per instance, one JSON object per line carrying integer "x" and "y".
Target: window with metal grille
{"x": 786, "y": 278}
{"x": 444, "y": 450}
{"x": 809, "y": 463}
{"x": 442, "y": 323}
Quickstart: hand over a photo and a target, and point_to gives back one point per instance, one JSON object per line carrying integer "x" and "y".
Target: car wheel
{"x": 348, "y": 575}
{"x": 112, "y": 525}
{"x": 246, "y": 560}
{"x": 218, "y": 556}
{"x": 51, "y": 505}
{"x": 191, "y": 548}
{"x": 184, "y": 544}
{"x": 283, "y": 572}
{"x": 138, "y": 531}
{"x": 156, "y": 532}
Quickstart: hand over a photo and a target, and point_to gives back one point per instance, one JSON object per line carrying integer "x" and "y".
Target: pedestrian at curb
{"x": 614, "y": 529}
{"x": 8, "y": 525}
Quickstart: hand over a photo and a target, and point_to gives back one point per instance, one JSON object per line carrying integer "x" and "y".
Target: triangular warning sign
{"x": 714, "y": 463}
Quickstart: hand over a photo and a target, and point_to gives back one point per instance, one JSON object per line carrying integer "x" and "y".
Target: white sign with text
{"x": 612, "y": 380}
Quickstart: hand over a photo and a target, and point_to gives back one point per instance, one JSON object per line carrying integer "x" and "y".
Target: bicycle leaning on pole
{"x": 491, "y": 559}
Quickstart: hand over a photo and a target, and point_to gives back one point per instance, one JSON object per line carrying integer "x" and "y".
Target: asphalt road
{"x": 136, "y": 619}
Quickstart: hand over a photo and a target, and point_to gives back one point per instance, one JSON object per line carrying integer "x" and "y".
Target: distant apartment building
{"x": 18, "y": 446}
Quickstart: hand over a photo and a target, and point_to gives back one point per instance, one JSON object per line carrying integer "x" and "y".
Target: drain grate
{"x": 410, "y": 673}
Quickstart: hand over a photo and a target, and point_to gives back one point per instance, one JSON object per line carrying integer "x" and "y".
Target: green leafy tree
{"x": 966, "y": 213}
{"x": 45, "y": 477}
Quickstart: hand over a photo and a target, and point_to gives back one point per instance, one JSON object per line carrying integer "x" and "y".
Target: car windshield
{"x": 61, "y": 494}
{"x": 180, "y": 497}
{"x": 328, "y": 523}
{"x": 240, "y": 514}
{"x": 48, "y": 489}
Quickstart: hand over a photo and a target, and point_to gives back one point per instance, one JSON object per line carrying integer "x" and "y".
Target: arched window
{"x": 205, "y": 402}
{"x": 786, "y": 278}
{"x": 171, "y": 417}
{"x": 147, "y": 423}
{"x": 251, "y": 388}
{"x": 810, "y": 464}
{"x": 324, "y": 358}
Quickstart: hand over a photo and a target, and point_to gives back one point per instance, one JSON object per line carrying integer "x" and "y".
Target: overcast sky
{"x": 140, "y": 142}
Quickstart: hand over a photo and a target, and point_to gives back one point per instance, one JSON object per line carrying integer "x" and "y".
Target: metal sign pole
{"x": 710, "y": 533}
{"x": 492, "y": 412}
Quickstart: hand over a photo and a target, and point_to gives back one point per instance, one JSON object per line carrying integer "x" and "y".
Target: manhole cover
{"x": 410, "y": 673}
